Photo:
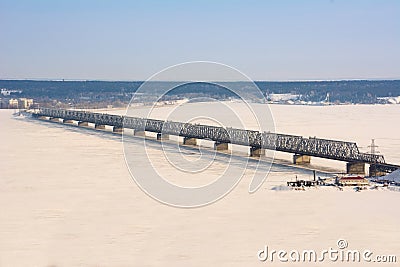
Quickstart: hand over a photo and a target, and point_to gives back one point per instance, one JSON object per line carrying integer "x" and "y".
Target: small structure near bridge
{"x": 351, "y": 181}
{"x": 302, "y": 183}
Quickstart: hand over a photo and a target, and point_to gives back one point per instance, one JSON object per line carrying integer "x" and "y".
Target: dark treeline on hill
{"x": 354, "y": 91}
{"x": 120, "y": 92}
{"x": 69, "y": 89}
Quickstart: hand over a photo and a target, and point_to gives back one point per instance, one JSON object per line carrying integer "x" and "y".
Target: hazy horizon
{"x": 266, "y": 40}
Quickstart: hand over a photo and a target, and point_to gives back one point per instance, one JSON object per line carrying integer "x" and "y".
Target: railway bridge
{"x": 302, "y": 148}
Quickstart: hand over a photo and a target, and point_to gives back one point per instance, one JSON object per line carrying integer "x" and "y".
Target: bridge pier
{"x": 189, "y": 141}
{"x": 377, "y": 169}
{"x": 301, "y": 159}
{"x": 220, "y": 146}
{"x": 68, "y": 121}
{"x": 373, "y": 171}
{"x": 139, "y": 133}
{"x": 54, "y": 119}
{"x": 117, "y": 129}
{"x": 99, "y": 126}
{"x": 83, "y": 123}
{"x": 355, "y": 168}
{"x": 257, "y": 152}
{"x": 161, "y": 136}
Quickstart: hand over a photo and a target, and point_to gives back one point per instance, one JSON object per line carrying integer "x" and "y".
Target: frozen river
{"x": 67, "y": 198}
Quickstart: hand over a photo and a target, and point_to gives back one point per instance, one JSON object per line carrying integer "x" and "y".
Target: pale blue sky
{"x": 267, "y": 40}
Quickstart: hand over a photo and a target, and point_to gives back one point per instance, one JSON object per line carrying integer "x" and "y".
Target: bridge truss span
{"x": 312, "y": 146}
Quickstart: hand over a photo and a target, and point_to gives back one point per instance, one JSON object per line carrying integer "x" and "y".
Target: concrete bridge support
{"x": 257, "y": 152}
{"x": 189, "y": 141}
{"x": 99, "y": 127}
{"x": 301, "y": 159}
{"x": 68, "y": 121}
{"x": 355, "y": 168}
{"x": 83, "y": 123}
{"x": 220, "y": 146}
{"x": 119, "y": 130}
{"x": 373, "y": 171}
{"x": 161, "y": 136}
{"x": 139, "y": 133}
{"x": 55, "y": 119}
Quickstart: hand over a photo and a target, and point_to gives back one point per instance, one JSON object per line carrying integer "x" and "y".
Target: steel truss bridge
{"x": 312, "y": 146}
